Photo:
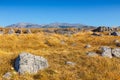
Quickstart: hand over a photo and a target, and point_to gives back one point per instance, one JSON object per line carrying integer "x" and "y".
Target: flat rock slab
{"x": 28, "y": 63}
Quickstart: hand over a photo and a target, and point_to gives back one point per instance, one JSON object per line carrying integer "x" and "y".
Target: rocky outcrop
{"x": 103, "y": 28}
{"x": 28, "y": 63}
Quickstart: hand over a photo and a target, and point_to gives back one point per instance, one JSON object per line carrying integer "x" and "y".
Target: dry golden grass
{"x": 58, "y": 49}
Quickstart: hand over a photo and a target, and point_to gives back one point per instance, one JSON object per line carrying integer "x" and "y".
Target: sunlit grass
{"x": 58, "y": 49}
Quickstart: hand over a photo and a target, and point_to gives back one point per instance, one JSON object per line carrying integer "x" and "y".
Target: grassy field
{"x": 58, "y": 49}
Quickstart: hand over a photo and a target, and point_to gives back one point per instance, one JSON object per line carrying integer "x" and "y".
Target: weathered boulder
{"x": 115, "y": 33}
{"x": 92, "y": 54}
{"x": 106, "y": 51}
{"x": 28, "y": 63}
{"x": 116, "y": 52}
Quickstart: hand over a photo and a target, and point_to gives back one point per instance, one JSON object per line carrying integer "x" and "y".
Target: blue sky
{"x": 90, "y": 12}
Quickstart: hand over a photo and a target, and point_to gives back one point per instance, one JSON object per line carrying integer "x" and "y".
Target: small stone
{"x": 116, "y": 41}
{"x": 92, "y": 54}
{"x": 88, "y": 46}
{"x": 7, "y": 75}
{"x": 70, "y": 63}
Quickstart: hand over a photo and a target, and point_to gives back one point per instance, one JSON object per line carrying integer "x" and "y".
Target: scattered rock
{"x": 70, "y": 63}
{"x": 1, "y": 32}
{"x": 19, "y": 31}
{"x": 106, "y": 51}
{"x": 116, "y": 52}
{"x": 11, "y": 31}
{"x": 88, "y": 46}
{"x": 115, "y": 33}
{"x": 116, "y": 41}
{"x": 96, "y": 34}
{"x": 118, "y": 44}
{"x": 28, "y": 31}
{"x": 28, "y": 63}
{"x": 92, "y": 54}
{"x": 7, "y": 75}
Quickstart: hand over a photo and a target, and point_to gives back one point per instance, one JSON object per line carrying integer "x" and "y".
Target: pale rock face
{"x": 28, "y": 63}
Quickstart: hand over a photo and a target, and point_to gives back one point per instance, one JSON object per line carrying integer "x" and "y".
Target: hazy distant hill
{"x": 52, "y": 25}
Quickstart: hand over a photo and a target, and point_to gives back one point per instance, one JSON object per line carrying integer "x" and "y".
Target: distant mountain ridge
{"x": 51, "y": 25}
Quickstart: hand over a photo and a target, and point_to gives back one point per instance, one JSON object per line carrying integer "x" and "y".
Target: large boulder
{"x": 28, "y": 63}
{"x": 106, "y": 51}
{"x": 116, "y": 52}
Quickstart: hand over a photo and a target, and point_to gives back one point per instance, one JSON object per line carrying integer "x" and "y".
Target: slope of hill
{"x": 58, "y": 49}
{"x": 51, "y": 25}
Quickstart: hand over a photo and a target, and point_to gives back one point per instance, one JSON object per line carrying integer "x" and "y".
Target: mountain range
{"x": 51, "y": 25}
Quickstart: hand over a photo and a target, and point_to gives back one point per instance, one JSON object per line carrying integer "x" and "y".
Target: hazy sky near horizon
{"x": 89, "y": 12}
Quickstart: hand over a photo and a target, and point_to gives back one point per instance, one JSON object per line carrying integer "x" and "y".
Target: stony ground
{"x": 58, "y": 49}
